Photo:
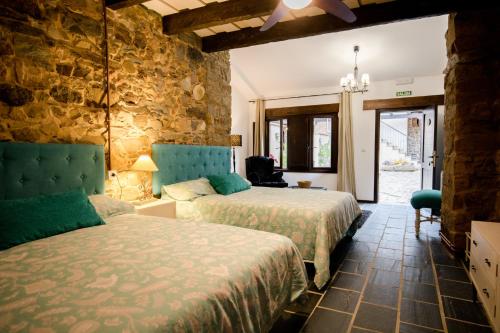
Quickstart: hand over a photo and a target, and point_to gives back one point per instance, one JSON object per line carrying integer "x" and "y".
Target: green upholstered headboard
{"x": 31, "y": 169}
{"x": 177, "y": 163}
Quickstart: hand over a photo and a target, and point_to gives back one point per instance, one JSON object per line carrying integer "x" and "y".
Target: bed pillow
{"x": 228, "y": 184}
{"x": 188, "y": 191}
{"x": 29, "y": 219}
{"x": 108, "y": 207}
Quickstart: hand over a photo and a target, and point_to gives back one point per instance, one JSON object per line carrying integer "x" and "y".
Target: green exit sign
{"x": 403, "y": 93}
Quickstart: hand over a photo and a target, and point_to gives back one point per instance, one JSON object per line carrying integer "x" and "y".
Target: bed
{"x": 135, "y": 273}
{"x": 315, "y": 220}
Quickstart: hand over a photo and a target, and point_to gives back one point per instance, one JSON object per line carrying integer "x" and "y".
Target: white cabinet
{"x": 484, "y": 257}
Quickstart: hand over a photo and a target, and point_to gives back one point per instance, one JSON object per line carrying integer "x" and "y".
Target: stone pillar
{"x": 414, "y": 139}
{"x": 471, "y": 189}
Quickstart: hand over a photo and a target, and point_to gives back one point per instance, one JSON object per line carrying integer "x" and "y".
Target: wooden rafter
{"x": 118, "y": 4}
{"x": 216, "y": 13}
{"x": 368, "y": 15}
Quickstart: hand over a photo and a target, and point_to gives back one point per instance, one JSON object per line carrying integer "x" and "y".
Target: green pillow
{"x": 29, "y": 219}
{"x": 228, "y": 184}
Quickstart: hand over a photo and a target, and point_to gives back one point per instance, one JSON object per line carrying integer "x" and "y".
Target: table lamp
{"x": 145, "y": 164}
{"x": 236, "y": 141}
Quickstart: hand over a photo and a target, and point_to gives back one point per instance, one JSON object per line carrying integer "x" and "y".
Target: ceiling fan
{"x": 334, "y": 7}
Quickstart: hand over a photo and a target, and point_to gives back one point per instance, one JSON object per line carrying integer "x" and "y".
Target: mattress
{"x": 148, "y": 274}
{"x": 315, "y": 220}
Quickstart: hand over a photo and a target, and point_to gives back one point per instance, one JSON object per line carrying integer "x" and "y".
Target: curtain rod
{"x": 302, "y": 96}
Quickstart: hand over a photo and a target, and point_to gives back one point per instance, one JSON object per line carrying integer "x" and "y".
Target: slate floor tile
{"x": 416, "y": 251}
{"x": 375, "y": 317}
{"x": 384, "y": 278}
{"x": 339, "y": 299}
{"x": 416, "y": 261}
{"x": 456, "y": 289}
{"x": 390, "y": 253}
{"x": 389, "y": 244}
{"x": 421, "y": 275}
{"x": 353, "y": 266}
{"x": 455, "y": 326}
{"x": 464, "y": 310}
{"x": 383, "y": 247}
{"x": 328, "y": 321}
{"x": 422, "y": 314}
{"x": 381, "y": 295}
{"x": 420, "y": 292}
{"x": 451, "y": 273}
{"x": 409, "y": 328}
{"x": 387, "y": 264}
{"x": 288, "y": 323}
{"x": 348, "y": 281}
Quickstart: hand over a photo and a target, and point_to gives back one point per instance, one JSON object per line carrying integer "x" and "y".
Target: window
{"x": 277, "y": 147}
{"x": 322, "y": 142}
{"x": 302, "y": 141}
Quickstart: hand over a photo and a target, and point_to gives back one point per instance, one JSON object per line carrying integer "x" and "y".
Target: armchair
{"x": 260, "y": 172}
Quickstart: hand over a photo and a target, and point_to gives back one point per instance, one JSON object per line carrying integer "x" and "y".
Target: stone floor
{"x": 390, "y": 281}
{"x": 397, "y": 187}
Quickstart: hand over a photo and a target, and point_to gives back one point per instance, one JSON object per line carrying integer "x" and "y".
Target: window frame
{"x": 309, "y": 117}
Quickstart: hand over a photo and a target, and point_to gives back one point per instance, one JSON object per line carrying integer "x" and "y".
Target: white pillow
{"x": 108, "y": 207}
{"x": 188, "y": 191}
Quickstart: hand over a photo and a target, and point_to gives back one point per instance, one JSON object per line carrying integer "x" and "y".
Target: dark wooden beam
{"x": 118, "y": 4}
{"x": 403, "y": 103}
{"x": 216, "y": 13}
{"x": 301, "y": 110}
{"x": 368, "y": 15}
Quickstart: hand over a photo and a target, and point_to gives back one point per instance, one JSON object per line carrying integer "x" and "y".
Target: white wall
{"x": 239, "y": 125}
{"x": 363, "y": 125}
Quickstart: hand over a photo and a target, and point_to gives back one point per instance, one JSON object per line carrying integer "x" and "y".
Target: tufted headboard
{"x": 30, "y": 169}
{"x": 179, "y": 163}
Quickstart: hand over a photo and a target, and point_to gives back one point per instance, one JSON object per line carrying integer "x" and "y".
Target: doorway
{"x": 406, "y": 153}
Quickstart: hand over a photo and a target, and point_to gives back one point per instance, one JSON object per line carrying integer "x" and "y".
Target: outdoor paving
{"x": 397, "y": 187}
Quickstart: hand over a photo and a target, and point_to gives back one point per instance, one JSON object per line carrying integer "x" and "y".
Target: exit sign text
{"x": 403, "y": 93}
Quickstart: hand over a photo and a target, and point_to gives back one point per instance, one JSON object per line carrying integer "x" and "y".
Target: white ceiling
{"x": 398, "y": 50}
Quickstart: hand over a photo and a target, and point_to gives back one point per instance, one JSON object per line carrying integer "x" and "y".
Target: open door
{"x": 429, "y": 153}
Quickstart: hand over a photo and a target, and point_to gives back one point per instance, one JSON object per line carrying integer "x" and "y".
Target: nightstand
{"x": 159, "y": 208}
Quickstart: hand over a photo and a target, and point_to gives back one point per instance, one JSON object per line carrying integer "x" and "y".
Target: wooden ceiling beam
{"x": 368, "y": 15}
{"x": 118, "y": 4}
{"x": 216, "y": 13}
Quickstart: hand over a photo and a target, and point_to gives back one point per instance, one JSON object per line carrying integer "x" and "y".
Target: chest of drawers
{"x": 484, "y": 261}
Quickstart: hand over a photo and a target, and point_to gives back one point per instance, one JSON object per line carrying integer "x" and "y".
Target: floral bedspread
{"x": 315, "y": 220}
{"x": 147, "y": 274}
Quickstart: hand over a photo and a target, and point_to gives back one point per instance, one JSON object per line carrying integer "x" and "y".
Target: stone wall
{"x": 471, "y": 189}
{"x": 52, "y": 79}
{"x": 414, "y": 139}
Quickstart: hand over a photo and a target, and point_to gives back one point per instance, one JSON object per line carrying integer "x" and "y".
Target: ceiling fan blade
{"x": 278, "y": 13}
{"x": 337, "y": 8}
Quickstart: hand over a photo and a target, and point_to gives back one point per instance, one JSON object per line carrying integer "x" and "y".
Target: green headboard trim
{"x": 31, "y": 169}
{"x": 179, "y": 163}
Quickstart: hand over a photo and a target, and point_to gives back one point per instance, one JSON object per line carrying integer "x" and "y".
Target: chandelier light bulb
{"x": 365, "y": 79}
{"x": 343, "y": 82}
{"x": 297, "y": 4}
{"x": 350, "y": 77}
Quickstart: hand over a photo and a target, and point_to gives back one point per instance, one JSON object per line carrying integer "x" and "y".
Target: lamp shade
{"x": 236, "y": 140}
{"x": 144, "y": 163}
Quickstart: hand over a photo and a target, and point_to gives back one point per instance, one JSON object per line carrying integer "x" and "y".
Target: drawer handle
{"x": 473, "y": 268}
{"x": 474, "y": 242}
{"x": 487, "y": 262}
{"x": 485, "y": 291}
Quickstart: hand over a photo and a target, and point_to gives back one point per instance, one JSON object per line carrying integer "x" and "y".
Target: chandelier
{"x": 350, "y": 82}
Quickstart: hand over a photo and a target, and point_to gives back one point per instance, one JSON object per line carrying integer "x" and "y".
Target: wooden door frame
{"x": 378, "y": 112}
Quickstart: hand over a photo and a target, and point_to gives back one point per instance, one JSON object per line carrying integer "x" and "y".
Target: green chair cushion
{"x": 29, "y": 219}
{"x": 426, "y": 199}
{"x": 228, "y": 184}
